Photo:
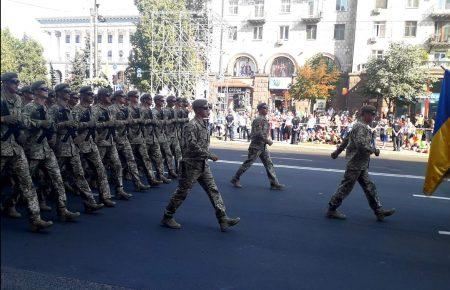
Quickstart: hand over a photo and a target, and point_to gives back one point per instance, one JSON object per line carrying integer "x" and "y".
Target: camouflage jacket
{"x": 105, "y": 125}
{"x": 150, "y": 125}
{"x": 65, "y": 146}
{"x": 260, "y": 130}
{"x": 161, "y": 116}
{"x": 86, "y": 128}
{"x": 359, "y": 147}
{"x": 11, "y": 104}
{"x": 135, "y": 134}
{"x": 196, "y": 141}
{"x": 121, "y": 113}
{"x": 172, "y": 122}
{"x": 37, "y": 146}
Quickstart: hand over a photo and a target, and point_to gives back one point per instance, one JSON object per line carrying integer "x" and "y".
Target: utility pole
{"x": 91, "y": 45}
{"x": 221, "y": 40}
{"x": 95, "y": 38}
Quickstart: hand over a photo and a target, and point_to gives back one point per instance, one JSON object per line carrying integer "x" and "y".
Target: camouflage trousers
{"x": 167, "y": 154}
{"x": 129, "y": 163}
{"x": 141, "y": 154}
{"x": 94, "y": 162}
{"x": 191, "y": 172}
{"x": 49, "y": 165}
{"x": 346, "y": 186}
{"x": 264, "y": 155}
{"x": 18, "y": 167}
{"x": 110, "y": 157}
{"x": 154, "y": 152}
{"x": 71, "y": 167}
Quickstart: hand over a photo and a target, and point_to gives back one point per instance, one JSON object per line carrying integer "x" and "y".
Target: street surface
{"x": 283, "y": 241}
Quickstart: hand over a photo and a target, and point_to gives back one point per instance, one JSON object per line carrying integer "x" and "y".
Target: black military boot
{"x": 66, "y": 216}
{"x": 91, "y": 206}
{"x": 37, "y": 224}
{"x": 335, "y": 214}
{"x": 277, "y": 186}
{"x": 173, "y": 174}
{"x": 108, "y": 202}
{"x": 169, "y": 222}
{"x": 236, "y": 182}
{"x": 121, "y": 194}
{"x": 382, "y": 213}
{"x": 226, "y": 222}
{"x": 154, "y": 182}
{"x": 165, "y": 180}
{"x": 141, "y": 187}
{"x": 12, "y": 212}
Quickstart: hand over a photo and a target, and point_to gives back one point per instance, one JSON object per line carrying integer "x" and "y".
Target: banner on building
{"x": 280, "y": 83}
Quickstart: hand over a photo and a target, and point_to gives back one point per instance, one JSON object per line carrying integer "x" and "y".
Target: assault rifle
{"x": 12, "y": 129}
{"x": 63, "y": 112}
{"x": 46, "y": 133}
{"x": 86, "y": 117}
{"x": 104, "y": 117}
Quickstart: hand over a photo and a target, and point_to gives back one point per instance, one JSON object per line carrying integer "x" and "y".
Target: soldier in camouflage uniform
{"x": 89, "y": 152}
{"x": 150, "y": 137}
{"x": 119, "y": 111}
{"x": 73, "y": 100}
{"x": 27, "y": 95}
{"x": 12, "y": 154}
{"x": 39, "y": 153}
{"x": 66, "y": 151}
{"x": 136, "y": 138}
{"x": 171, "y": 130}
{"x": 162, "y": 116}
{"x": 194, "y": 167}
{"x": 359, "y": 148}
{"x": 258, "y": 148}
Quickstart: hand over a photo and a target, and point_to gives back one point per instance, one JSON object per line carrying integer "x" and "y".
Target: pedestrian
{"x": 229, "y": 130}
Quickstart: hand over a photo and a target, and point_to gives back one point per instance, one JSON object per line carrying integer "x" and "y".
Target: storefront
{"x": 278, "y": 89}
{"x": 234, "y": 98}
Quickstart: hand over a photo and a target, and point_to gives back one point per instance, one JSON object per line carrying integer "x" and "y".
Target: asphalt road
{"x": 283, "y": 241}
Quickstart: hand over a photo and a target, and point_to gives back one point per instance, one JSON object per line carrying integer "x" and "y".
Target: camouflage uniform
{"x": 194, "y": 167}
{"x": 88, "y": 149}
{"x": 13, "y": 156}
{"x": 182, "y": 120}
{"x": 258, "y": 148}
{"x": 171, "y": 134}
{"x": 162, "y": 116}
{"x": 358, "y": 153}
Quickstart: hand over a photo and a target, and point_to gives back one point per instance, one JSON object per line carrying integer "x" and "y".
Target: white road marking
{"x": 434, "y": 197}
{"x": 444, "y": 233}
{"x": 328, "y": 170}
{"x": 285, "y": 158}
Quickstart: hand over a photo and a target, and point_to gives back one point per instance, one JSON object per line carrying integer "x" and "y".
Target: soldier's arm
{"x": 258, "y": 132}
{"x": 358, "y": 136}
{"x": 28, "y": 121}
{"x": 194, "y": 144}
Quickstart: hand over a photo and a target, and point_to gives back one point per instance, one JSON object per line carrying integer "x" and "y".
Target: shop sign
{"x": 280, "y": 83}
{"x": 232, "y": 90}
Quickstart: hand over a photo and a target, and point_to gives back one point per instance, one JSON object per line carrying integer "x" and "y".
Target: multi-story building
{"x": 66, "y": 35}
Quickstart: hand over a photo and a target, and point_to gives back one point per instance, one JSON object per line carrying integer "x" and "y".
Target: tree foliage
{"x": 399, "y": 74}
{"x": 24, "y": 56}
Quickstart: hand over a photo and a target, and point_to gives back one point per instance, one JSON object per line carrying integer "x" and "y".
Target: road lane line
{"x": 434, "y": 197}
{"x": 285, "y": 158}
{"x": 444, "y": 233}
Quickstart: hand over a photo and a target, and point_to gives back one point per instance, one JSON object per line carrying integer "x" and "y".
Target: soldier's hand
{"x": 71, "y": 123}
{"x": 377, "y": 152}
{"x": 10, "y": 119}
{"x": 270, "y": 142}
{"x": 46, "y": 124}
{"x": 334, "y": 155}
{"x": 91, "y": 123}
{"x": 214, "y": 157}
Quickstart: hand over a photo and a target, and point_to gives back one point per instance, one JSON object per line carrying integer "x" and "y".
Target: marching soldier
{"x": 359, "y": 148}
{"x": 151, "y": 138}
{"x": 258, "y": 148}
{"x": 40, "y": 155}
{"x": 171, "y": 130}
{"x": 89, "y": 152}
{"x": 12, "y": 154}
{"x": 136, "y": 138}
{"x": 27, "y": 95}
{"x": 119, "y": 111}
{"x": 66, "y": 150}
{"x": 73, "y": 99}
{"x": 194, "y": 167}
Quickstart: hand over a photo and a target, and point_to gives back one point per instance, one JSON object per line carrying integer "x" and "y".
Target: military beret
{"x": 133, "y": 94}
{"x": 36, "y": 85}
{"x": 145, "y": 96}
{"x": 73, "y": 94}
{"x": 7, "y": 76}
{"x": 200, "y": 104}
{"x": 26, "y": 90}
{"x": 86, "y": 90}
{"x": 118, "y": 93}
{"x": 158, "y": 98}
{"x": 103, "y": 92}
{"x": 179, "y": 99}
{"x": 369, "y": 109}
{"x": 171, "y": 99}
{"x": 261, "y": 106}
{"x": 61, "y": 87}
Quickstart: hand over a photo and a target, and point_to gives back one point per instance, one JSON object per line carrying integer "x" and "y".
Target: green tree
{"x": 157, "y": 50}
{"x": 399, "y": 75}
{"x": 53, "y": 80}
{"x": 80, "y": 67}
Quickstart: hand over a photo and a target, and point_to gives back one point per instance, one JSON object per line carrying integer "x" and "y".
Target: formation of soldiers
{"x": 58, "y": 141}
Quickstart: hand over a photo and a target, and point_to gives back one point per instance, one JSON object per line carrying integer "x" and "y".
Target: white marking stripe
{"x": 286, "y": 158}
{"x": 434, "y": 197}
{"x": 328, "y": 170}
{"x": 444, "y": 233}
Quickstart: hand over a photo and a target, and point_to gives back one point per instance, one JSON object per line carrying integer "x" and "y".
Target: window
{"x": 110, "y": 38}
{"x": 282, "y": 67}
{"x": 442, "y": 31}
{"x": 99, "y": 38}
{"x": 67, "y": 55}
{"x": 77, "y": 38}
{"x": 232, "y": 33}
{"x": 285, "y": 6}
{"x": 68, "y": 38}
{"x": 233, "y": 7}
{"x": 120, "y": 38}
{"x": 109, "y": 54}
{"x": 311, "y": 8}
{"x": 244, "y": 67}
{"x": 120, "y": 53}
{"x": 257, "y": 33}
{"x": 410, "y": 28}
{"x": 379, "y": 29}
{"x": 259, "y": 8}
{"x": 339, "y": 31}
{"x": 377, "y": 54}
{"x": 412, "y": 3}
{"x": 439, "y": 55}
{"x": 382, "y": 4}
{"x": 311, "y": 32}
{"x": 341, "y": 5}
{"x": 284, "y": 32}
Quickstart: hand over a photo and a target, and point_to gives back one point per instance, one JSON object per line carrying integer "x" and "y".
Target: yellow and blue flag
{"x": 439, "y": 158}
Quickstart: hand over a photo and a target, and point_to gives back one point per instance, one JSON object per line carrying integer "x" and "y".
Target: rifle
{"x": 104, "y": 117}
{"x": 125, "y": 113}
{"x": 70, "y": 131}
{"x": 86, "y": 117}
{"x": 46, "y": 133}
{"x": 12, "y": 129}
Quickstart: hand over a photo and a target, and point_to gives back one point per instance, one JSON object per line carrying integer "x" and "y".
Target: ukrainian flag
{"x": 439, "y": 159}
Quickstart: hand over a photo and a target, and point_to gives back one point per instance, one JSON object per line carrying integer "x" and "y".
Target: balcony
{"x": 312, "y": 18}
{"x": 438, "y": 41}
{"x": 439, "y": 14}
{"x": 257, "y": 17}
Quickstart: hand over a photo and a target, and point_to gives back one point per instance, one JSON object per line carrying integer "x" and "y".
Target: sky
{"x": 20, "y": 15}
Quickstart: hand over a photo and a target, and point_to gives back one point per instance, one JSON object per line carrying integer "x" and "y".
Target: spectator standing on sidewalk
{"x": 397, "y": 135}
{"x": 288, "y": 127}
{"x": 229, "y": 130}
{"x": 295, "y": 129}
